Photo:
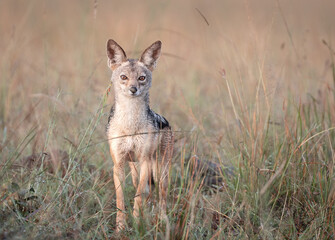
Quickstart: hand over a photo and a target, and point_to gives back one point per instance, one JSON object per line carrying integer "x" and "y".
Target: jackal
{"x": 135, "y": 132}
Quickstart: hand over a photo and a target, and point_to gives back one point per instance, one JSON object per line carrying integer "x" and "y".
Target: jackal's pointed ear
{"x": 115, "y": 54}
{"x": 151, "y": 54}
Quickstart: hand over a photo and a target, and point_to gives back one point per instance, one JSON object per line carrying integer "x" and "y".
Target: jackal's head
{"x": 132, "y": 77}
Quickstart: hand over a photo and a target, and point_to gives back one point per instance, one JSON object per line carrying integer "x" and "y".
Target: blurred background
{"x": 249, "y": 84}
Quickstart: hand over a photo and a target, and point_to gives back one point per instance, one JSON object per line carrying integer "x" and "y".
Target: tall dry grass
{"x": 249, "y": 85}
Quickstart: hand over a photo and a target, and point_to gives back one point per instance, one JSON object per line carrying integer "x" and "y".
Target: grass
{"x": 246, "y": 88}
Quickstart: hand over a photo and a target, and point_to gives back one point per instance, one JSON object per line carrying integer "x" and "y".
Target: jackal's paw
{"x": 120, "y": 226}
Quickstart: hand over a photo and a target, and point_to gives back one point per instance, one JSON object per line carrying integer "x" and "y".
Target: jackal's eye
{"x": 141, "y": 78}
{"x": 123, "y": 77}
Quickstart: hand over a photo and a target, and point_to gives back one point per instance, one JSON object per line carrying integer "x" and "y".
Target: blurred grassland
{"x": 252, "y": 89}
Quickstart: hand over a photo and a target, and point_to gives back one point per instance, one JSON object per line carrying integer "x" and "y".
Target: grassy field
{"x": 247, "y": 85}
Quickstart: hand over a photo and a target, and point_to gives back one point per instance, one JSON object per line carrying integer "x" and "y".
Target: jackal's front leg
{"x": 119, "y": 181}
{"x": 145, "y": 171}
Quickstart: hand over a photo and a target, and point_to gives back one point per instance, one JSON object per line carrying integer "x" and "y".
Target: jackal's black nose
{"x": 133, "y": 90}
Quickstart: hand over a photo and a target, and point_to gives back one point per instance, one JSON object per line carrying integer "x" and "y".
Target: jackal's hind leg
{"x": 134, "y": 173}
{"x": 163, "y": 185}
{"x": 166, "y": 157}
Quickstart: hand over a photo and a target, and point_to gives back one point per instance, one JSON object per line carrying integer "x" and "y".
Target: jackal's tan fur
{"x": 135, "y": 132}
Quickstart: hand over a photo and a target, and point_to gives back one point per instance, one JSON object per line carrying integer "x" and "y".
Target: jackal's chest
{"x": 126, "y": 136}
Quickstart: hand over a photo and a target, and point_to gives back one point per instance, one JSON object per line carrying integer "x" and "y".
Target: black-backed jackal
{"x": 135, "y": 132}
